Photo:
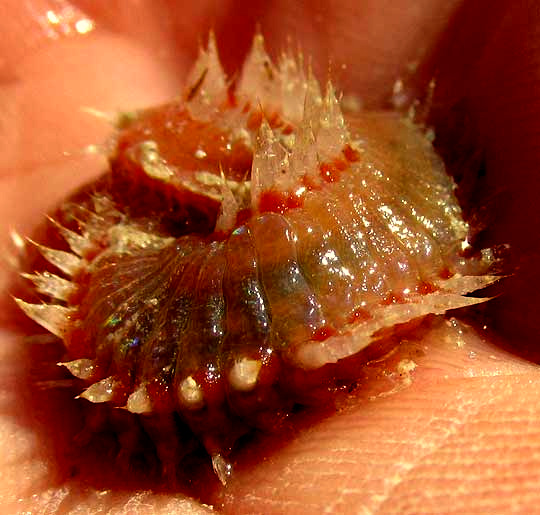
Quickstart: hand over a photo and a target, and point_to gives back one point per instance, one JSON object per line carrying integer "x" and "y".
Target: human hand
{"x": 462, "y": 434}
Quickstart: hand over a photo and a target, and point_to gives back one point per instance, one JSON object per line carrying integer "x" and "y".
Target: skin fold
{"x": 447, "y": 423}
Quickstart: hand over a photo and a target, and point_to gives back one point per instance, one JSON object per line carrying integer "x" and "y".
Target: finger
{"x": 361, "y": 67}
{"x": 46, "y": 129}
{"x": 38, "y": 469}
{"x": 45, "y": 133}
{"x": 451, "y": 431}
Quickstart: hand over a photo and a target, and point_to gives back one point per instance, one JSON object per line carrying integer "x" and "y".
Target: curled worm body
{"x": 245, "y": 238}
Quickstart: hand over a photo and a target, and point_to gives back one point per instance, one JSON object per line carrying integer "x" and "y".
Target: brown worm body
{"x": 247, "y": 238}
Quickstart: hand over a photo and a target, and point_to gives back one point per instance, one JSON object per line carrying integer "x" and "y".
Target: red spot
{"x": 274, "y": 120}
{"x": 309, "y": 183}
{"x": 351, "y": 154}
{"x": 445, "y": 273}
{"x": 294, "y": 201}
{"x": 359, "y": 315}
{"x": 277, "y": 202}
{"x": 393, "y": 298}
{"x": 424, "y": 288}
{"x": 287, "y": 129}
{"x": 329, "y": 172}
{"x": 340, "y": 164}
{"x": 323, "y": 333}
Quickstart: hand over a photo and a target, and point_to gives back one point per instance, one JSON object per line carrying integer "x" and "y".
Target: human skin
{"x": 457, "y": 433}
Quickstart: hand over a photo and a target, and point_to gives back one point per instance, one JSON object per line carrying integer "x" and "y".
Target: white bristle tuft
{"x": 313, "y": 102}
{"x": 52, "y": 317}
{"x": 80, "y": 368}
{"x": 244, "y": 374}
{"x": 303, "y": 158}
{"x": 190, "y": 393}
{"x": 102, "y": 391}
{"x": 270, "y": 168}
{"x": 293, "y": 86}
{"x": 207, "y": 83}
{"x": 332, "y": 133}
{"x": 228, "y": 209}
{"x": 103, "y": 205}
{"x": 277, "y": 89}
{"x": 260, "y": 79}
{"x": 65, "y": 261}
{"x": 78, "y": 244}
{"x": 222, "y": 468}
{"x": 139, "y": 401}
{"x": 52, "y": 285}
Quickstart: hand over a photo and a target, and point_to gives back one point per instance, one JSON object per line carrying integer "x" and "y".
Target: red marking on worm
{"x": 393, "y": 298}
{"x": 329, "y": 172}
{"x": 323, "y": 333}
{"x": 445, "y": 273}
{"x": 351, "y": 154}
{"x": 340, "y": 164}
{"x": 277, "y": 202}
{"x": 359, "y": 315}
{"x": 287, "y": 129}
{"x": 424, "y": 288}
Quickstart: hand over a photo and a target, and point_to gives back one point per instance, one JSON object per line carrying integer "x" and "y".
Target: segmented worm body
{"x": 246, "y": 237}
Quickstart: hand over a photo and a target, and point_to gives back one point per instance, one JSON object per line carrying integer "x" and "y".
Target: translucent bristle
{"x": 52, "y": 317}
{"x": 139, "y": 401}
{"x": 222, "y": 468}
{"x": 270, "y": 169}
{"x": 313, "y": 102}
{"x": 78, "y": 244}
{"x": 259, "y": 79}
{"x": 332, "y": 132}
{"x": 280, "y": 88}
{"x": 103, "y": 205}
{"x": 293, "y": 86}
{"x": 207, "y": 83}
{"x": 190, "y": 393}
{"x": 52, "y": 285}
{"x": 80, "y": 368}
{"x": 244, "y": 374}
{"x": 102, "y": 391}
{"x": 65, "y": 261}
{"x": 228, "y": 209}
{"x": 303, "y": 159}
